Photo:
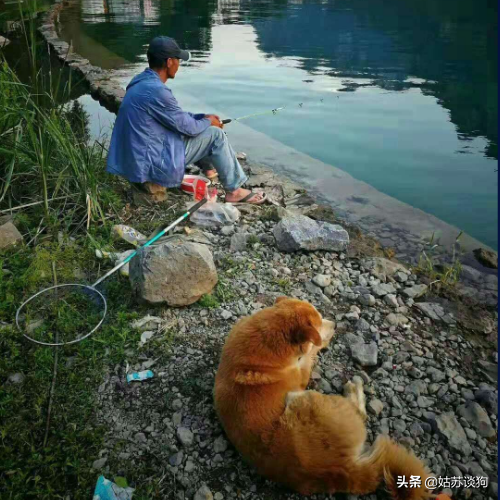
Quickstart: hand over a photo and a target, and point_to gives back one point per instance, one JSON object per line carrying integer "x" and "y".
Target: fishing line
{"x": 269, "y": 111}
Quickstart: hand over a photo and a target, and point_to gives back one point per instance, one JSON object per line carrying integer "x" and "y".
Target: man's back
{"x": 147, "y": 143}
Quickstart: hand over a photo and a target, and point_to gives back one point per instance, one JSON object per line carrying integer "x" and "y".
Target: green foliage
{"x": 441, "y": 275}
{"x": 208, "y": 301}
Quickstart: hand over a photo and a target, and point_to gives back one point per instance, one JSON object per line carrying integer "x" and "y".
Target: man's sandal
{"x": 248, "y": 197}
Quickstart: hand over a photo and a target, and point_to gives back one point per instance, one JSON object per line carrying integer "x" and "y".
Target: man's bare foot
{"x": 245, "y": 196}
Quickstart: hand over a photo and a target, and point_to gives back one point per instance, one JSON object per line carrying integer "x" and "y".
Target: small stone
{"x": 396, "y": 319}
{"x": 416, "y": 429}
{"x": 478, "y": 418}
{"x": 325, "y": 386}
{"x": 227, "y": 230}
{"x": 99, "y": 464}
{"x": 431, "y": 310}
{"x": 448, "y": 426}
{"x": 487, "y": 258}
{"x": 177, "y": 418}
{"x": 322, "y": 280}
{"x": 226, "y": 315}
{"x": 9, "y": 236}
{"x": 367, "y": 300}
{"x": 391, "y": 300}
{"x": 220, "y": 445}
{"x": 185, "y": 436}
{"x": 400, "y": 277}
{"x": 239, "y": 242}
{"x": 203, "y": 493}
{"x": 383, "y": 289}
{"x": 415, "y": 291}
{"x": 4, "y": 42}
{"x": 17, "y": 378}
{"x": 189, "y": 467}
{"x": 399, "y": 425}
{"x": 176, "y": 459}
{"x": 375, "y": 406}
{"x": 365, "y": 354}
{"x": 140, "y": 437}
{"x": 424, "y": 402}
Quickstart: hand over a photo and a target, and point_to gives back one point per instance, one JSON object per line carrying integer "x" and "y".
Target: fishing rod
{"x": 273, "y": 111}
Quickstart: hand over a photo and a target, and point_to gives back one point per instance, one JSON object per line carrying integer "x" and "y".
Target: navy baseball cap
{"x": 164, "y": 47}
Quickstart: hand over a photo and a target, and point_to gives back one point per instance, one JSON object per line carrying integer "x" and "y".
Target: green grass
{"x": 28, "y": 469}
{"x": 208, "y": 301}
{"x": 284, "y": 284}
{"x": 441, "y": 276}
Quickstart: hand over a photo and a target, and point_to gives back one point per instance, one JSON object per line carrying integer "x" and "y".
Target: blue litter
{"x": 107, "y": 490}
{"x": 139, "y": 375}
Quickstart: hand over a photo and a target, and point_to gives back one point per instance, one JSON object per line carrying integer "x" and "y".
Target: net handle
{"x": 55, "y": 344}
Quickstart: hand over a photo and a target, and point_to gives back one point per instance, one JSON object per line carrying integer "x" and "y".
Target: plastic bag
{"x": 214, "y": 214}
{"x": 107, "y": 490}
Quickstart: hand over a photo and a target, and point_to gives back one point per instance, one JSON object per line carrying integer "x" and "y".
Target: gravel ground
{"x": 430, "y": 383}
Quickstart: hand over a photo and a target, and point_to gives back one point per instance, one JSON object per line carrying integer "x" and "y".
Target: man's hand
{"x": 215, "y": 121}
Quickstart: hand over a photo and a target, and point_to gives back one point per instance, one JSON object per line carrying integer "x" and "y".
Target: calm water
{"x": 402, "y": 95}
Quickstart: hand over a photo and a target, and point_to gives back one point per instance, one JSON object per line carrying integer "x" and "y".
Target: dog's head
{"x": 276, "y": 338}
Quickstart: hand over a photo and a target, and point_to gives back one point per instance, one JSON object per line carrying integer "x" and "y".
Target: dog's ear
{"x": 306, "y": 333}
{"x": 280, "y": 299}
{"x": 251, "y": 377}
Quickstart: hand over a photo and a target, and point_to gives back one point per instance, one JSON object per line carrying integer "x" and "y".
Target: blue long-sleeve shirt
{"x": 146, "y": 144}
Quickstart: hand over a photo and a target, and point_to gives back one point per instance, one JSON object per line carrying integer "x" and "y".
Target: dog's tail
{"x": 389, "y": 462}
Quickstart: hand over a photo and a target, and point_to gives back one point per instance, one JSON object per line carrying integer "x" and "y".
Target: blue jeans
{"x": 211, "y": 149}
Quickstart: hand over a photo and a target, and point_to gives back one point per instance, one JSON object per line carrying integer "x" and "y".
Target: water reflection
{"x": 446, "y": 47}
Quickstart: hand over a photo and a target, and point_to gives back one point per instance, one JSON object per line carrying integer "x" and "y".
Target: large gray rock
{"x": 448, "y": 427}
{"x": 298, "y": 232}
{"x": 9, "y": 235}
{"x": 177, "y": 273}
{"x": 478, "y": 418}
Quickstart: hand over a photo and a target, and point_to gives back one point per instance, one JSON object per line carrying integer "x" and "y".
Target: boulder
{"x": 9, "y": 235}
{"x": 176, "y": 273}
{"x": 298, "y": 232}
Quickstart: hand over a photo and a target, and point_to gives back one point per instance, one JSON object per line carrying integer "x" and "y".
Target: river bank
{"x": 426, "y": 350}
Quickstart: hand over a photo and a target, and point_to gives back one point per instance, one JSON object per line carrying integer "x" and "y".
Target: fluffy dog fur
{"x": 308, "y": 441}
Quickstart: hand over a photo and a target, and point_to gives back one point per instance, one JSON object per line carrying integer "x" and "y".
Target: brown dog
{"x": 311, "y": 442}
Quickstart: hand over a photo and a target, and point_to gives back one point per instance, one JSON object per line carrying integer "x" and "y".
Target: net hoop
{"x": 56, "y": 344}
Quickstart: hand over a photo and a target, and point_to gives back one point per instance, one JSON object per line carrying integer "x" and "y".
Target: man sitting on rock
{"x": 154, "y": 139}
